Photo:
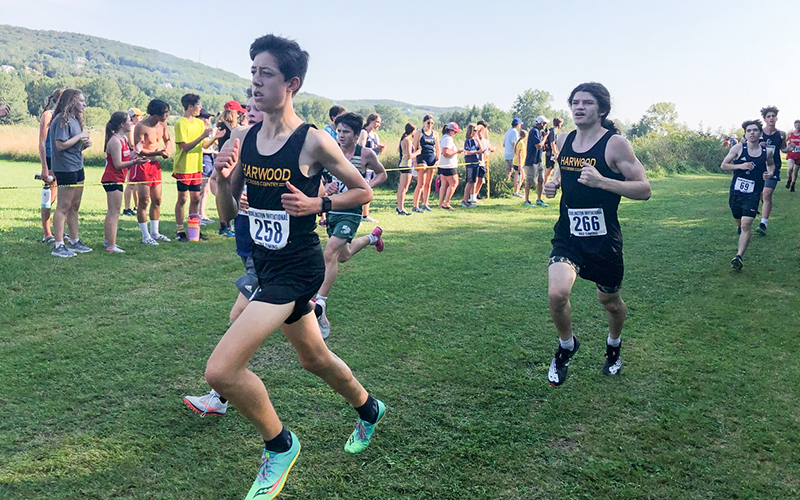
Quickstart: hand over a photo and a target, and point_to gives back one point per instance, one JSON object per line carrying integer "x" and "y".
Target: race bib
{"x": 744, "y": 185}
{"x": 269, "y": 228}
{"x": 586, "y": 222}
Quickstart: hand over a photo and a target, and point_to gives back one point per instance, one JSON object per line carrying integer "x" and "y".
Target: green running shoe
{"x": 359, "y": 439}
{"x": 274, "y": 469}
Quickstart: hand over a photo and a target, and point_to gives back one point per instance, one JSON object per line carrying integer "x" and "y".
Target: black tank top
{"x": 427, "y": 145}
{"x": 746, "y": 182}
{"x": 773, "y": 140}
{"x": 266, "y": 178}
{"x": 579, "y": 220}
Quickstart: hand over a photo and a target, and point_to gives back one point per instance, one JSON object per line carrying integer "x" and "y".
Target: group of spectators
{"x": 134, "y": 145}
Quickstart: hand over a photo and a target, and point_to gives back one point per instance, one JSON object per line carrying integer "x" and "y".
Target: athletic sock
{"x": 764, "y": 221}
{"x": 612, "y": 342}
{"x": 280, "y": 443}
{"x": 154, "y": 227}
{"x": 567, "y": 344}
{"x": 368, "y": 412}
{"x": 372, "y": 239}
{"x": 179, "y": 228}
{"x": 319, "y": 306}
{"x": 58, "y": 243}
{"x": 143, "y": 229}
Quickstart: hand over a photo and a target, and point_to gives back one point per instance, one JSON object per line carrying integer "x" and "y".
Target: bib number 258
{"x": 269, "y": 228}
{"x": 587, "y": 222}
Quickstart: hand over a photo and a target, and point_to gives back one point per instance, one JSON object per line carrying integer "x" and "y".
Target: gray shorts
{"x": 535, "y": 172}
{"x": 248, "y": 282}
{"x": 509, "y": 165}
{"x": 771, "y": 183}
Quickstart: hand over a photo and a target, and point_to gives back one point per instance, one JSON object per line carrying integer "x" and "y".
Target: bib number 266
{"x": 587, "y": 222}
{"x": 269, "y": 228}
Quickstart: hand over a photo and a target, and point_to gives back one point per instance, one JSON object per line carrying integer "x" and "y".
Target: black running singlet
{"x": 265, "y": 176}
{"x": 773, "y": 140}
{"x": 752, "y": 181}
{"x": 588, "y": 215}
{"x": 427, "y": 148}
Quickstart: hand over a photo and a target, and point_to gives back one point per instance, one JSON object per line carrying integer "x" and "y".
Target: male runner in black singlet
{"x": 281, "y": 160}
{"x": 751, "y": 166}
{"x": 775, "y": 141}
{"x": 596, "y": 167}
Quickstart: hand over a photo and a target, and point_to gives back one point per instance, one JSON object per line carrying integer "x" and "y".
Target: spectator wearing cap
{"x": 534, "y": 170}
{"x": 131, "y": 192}
{"x": 448, "y": 164}
{"x": 509, "y": 141}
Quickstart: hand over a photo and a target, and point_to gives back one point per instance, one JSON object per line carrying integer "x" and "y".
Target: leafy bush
{"x": 681, "y": 151}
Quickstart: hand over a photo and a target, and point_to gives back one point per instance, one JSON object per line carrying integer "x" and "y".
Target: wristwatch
{"x": 326, "y": 205}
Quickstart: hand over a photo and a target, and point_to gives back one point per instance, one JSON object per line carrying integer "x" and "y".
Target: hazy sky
{"x": 718, "y": 61}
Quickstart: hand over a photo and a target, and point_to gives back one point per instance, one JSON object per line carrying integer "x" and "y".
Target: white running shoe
{"x": 324, "y": 324}
{"x": 207, "y": 405}
{"x": 114, "y": 249}
{"x": 161, "y": 237}
{"x": 149, "y": 241}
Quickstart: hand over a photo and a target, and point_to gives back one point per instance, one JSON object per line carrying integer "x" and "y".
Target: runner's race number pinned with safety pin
{"x": 586, "y": 222}
{"x": 269, "y": 228}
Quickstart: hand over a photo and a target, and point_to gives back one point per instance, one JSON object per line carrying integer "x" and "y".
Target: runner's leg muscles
{"x": 561, "y": 278}
{"x": 315, "y": 357}
{"x": 333, "y": 249}
{"x": 227, "y": 372}
{"x": 616, "y": 310}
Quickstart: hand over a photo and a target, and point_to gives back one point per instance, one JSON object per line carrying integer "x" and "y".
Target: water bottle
{"x": 45, "y": 191}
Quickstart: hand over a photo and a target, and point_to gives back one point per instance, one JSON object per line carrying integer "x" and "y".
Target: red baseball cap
{"x": 235, "y": 106}
{"x": 453, "y": 126}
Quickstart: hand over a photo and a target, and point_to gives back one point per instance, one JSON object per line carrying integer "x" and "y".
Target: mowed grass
{"x": 449, "y": 326}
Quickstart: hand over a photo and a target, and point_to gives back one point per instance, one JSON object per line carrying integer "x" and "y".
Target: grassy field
{"x": 449, "y": 326}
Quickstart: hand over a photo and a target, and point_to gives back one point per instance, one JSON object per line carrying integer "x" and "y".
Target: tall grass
{"x": 21, "y": 143}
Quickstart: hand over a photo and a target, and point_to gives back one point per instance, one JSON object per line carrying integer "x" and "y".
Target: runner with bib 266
{"x": 596, "y": 167}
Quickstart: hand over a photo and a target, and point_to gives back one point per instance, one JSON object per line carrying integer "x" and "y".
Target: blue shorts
{"x": 208, "y": 165}
{"x": 244, "y": 242}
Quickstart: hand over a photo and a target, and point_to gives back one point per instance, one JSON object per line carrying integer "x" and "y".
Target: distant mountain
{"x": 58, "y": 54}
{"x": 43, "y": 60}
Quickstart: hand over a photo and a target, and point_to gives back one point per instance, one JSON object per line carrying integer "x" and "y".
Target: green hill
{"x": 115, "y": 75}
{"x": 57, "y": 54}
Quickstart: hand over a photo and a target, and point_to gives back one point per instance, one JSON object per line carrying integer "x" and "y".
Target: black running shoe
{"x": 792, "y": 190}
{"x": 788, "y": 184}
{"x": 203, "y": 237}
{"x": 613, "y": 363}
{"x": 181, "y": 236}
{"x": 557, "y": 374}
{"x": 761, "y": 229}
{"x": 736, "y": 263}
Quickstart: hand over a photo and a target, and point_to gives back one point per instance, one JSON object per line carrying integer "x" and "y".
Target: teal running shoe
{"x": 274, "y": 470}
{"x": 359, "y": 439}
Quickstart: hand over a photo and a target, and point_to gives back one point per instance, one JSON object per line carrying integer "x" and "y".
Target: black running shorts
{"x": 290, "y": 278}
{"x": 744, "y": 204}
{"x": 605, "y": 268}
